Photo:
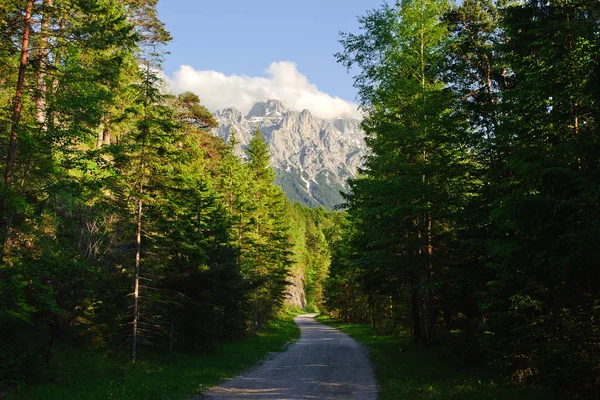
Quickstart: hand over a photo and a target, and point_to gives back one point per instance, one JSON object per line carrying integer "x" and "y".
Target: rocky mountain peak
{"x": 267, "y": 108}
{"x": 312, "y": 157}
{"x": 230, "y": 114}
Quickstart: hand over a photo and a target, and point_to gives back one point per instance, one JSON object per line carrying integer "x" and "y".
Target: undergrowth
{"x": 405, "y": 371}
{"x": 76, "y": 373}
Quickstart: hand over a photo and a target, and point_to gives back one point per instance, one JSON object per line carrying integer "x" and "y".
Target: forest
{"x": 478, "y": 207}
{"x": 126, "y": 227}
{"x": 125, "y": 224}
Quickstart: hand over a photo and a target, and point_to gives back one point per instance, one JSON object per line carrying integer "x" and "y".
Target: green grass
{"x": 404, "y": 371}
{"x": 85, "y": 374}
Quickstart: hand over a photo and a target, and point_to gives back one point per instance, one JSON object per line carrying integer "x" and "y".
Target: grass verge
{"x": 404, "y": 371}
{"x": 85, "y": 374}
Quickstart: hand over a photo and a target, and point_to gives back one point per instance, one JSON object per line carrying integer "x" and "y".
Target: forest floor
{"x": 404, "y": 371}
{"x": 77, "y": 373}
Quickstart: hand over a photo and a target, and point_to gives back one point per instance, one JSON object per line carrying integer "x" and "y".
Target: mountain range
{"x": 312, "y": 157}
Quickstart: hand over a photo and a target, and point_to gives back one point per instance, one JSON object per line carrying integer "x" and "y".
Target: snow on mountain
{"x": 312, "y": 157}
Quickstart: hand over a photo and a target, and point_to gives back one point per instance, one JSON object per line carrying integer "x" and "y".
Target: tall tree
{"x": 544, "y": 282}
{"x": 265, "y": 252}
{"x": 147, "y": 153}
{"x": 411, "y": 132}
{"x": 14, "y": 128}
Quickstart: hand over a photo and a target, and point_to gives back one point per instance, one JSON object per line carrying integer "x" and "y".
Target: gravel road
{"x": 324, "y": 364}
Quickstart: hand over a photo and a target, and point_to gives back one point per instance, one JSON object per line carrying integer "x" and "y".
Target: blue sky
{"x": 231, "y": 43}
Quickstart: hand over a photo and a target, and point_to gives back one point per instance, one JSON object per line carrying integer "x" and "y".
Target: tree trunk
{"x": 138, "y": 244}
{"x": 428, "y": 301}
{"x": 426, "y": 308}
{"x": 18, "y": 101}
{"x": 106, "y": 134}
{"x": 256, "y": 313}
{"x": 16, "y": 118}
{"x": 99, "y": 138}
{"x": 230, "y": 197}
{"x": 488, "y": 78}
{"x": 172, "y": 327}
{"x": 40, "y": 76}
{"x": 51, "y": 340}
{"x": 136, "y": 288}
{"x": 50, "y": 116}
{"x": 239, "y": 254}
{"x": 416, "y": 314}
{"x": 373, "y": 321}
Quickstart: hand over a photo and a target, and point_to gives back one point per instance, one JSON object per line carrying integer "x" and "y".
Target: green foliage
{"x": 412, "y": 176}
{"x": 104, "y": 154}
{"x": 77, "y": 373}
{"x": 405, "y": 371}
{"x": 311, "y": 256}
{"x": 265, "y": 250}
{"x": 475, "y": 210}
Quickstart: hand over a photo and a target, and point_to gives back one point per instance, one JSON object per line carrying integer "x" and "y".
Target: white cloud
{"x": 282, "y": 81}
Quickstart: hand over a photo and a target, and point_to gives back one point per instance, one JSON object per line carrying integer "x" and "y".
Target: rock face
{"x": 295, "y": 295}
{"x": 312, "y": 157}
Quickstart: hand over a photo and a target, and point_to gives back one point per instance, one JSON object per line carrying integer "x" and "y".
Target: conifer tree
{"x": 144, "y": 160}
{"x": 405, "y": 192}
{"x": 265, "y": 252}
{"x": 68, "y": 67}
{"x": 544, "y": 282}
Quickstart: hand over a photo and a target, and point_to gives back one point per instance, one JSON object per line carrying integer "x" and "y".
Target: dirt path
{"x": 324, "y": 364}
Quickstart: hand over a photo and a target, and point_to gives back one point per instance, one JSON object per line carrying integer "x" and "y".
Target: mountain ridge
{"x": 312, "y": 157}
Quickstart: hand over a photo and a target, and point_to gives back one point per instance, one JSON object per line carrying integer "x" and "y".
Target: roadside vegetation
{"x": 77, "y": 373}
{"x": 405, "y": 370}
{"x": 478, "y": 205}
{"x": 126, "y": 227}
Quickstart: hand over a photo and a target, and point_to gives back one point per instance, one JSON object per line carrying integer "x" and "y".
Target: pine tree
{"x": 544, "y": 281}
{"x": 411, "y": 177}
{"x": 68, "y": 66}
{"x": 265, "y": 253}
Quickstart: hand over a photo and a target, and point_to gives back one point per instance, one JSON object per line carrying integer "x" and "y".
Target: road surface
{"x": 324, "y": 364}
